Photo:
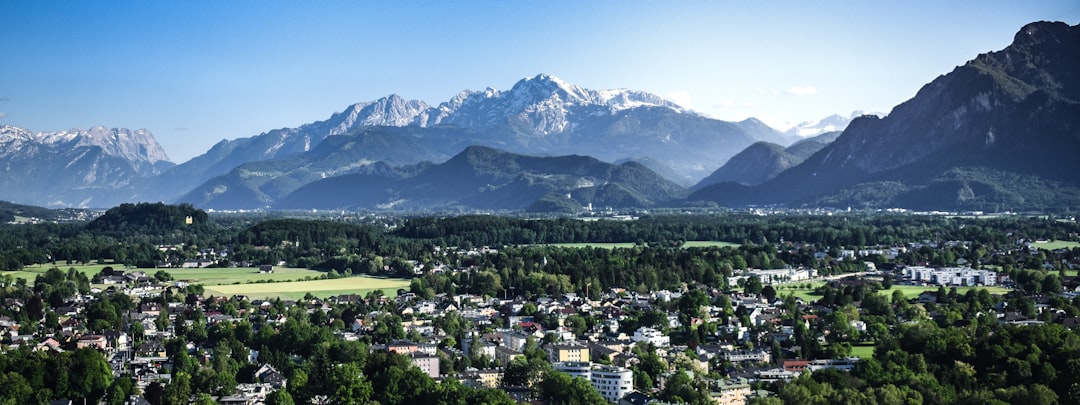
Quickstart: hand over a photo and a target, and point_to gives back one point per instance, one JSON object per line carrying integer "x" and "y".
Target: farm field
{"x": 607, "y": 245}
{"x": 360, "y": 285}
{"x": 31, "y": 272}
{"x": 1058, "y": 244}
{"x": 233, "y": 275}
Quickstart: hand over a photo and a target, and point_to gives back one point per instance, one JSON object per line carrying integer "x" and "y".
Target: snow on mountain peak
{"x": 543, "y": 102}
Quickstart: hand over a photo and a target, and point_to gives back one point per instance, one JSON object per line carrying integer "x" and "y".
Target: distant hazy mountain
{"x": 78, "y": 167}
{"x": 762, "y": 161}
{"x": 660, "y": 168}
{"x": 1001, "y": 132}
{"x": 369, "y": 150}
{"x": 832, "y": 123}
{"x": 481, "y": 178}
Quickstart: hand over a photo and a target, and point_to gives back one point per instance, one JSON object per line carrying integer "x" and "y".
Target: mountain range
{"x": 75, "y": 167}
{"x": 541, "y": 115}
{"x": 997, "y": 133}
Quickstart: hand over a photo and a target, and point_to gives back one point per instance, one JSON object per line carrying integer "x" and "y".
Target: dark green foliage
{"x": 148, "y": 218}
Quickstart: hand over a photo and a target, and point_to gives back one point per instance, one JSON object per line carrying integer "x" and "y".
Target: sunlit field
{"x": 604, "y": 245}
{"x": 360, "y": 285}
{"x": 1058, "y": 244}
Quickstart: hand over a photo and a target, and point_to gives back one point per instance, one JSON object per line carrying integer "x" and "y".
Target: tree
{"x": 94, "y": 375}
{"x": 559, "y": 388}
{"x": 279, "y": 397}
{"x": 348, "y": 385}
{"x": 753, "y": 285}
{"x": 768, "y": 292}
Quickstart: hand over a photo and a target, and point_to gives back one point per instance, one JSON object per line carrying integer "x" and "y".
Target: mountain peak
{"x": 1041, "y": 32}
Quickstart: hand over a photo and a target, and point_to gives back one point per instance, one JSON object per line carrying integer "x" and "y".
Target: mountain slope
{"x": 998, "y": 133}
{"x": 487, "y": 179}
{"x": 762, "y": 161}
{"x": 78, "y": 167}
{"x": 259, "y": 184}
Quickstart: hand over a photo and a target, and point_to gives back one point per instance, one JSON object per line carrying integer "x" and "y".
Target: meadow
{"x": 909, "y": 291}
{"x": 295, "y": 290}
{"x": 606, "y": 245}
{"x": 284, "y": 282}
{"x": 1057, "y": 244}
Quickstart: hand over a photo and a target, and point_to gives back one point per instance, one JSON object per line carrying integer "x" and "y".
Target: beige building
{"x": 567, "y": 352}
{"x": 731, "y": 392}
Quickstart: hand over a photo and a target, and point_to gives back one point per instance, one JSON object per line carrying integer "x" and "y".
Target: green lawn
{"x": 909, "y": 291}
{"x": 1058, "y": 244}
{"x": 806, "y": 294}
{"x": 912, "y": 291}
{"x": 320, "y": 288}
{"x": 862, "y": 351}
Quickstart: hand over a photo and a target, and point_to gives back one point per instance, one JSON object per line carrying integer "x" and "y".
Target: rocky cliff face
{"x": 94, "y": 167}
{"x": 999, "y": 132}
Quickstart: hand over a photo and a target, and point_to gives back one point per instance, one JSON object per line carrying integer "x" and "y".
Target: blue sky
{"x": 197, "y": 72}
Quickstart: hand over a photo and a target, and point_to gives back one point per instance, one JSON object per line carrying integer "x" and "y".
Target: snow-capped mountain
{"x": 136, "y": 146}
{"x": 538, "y": 115}
{"x": 79, "y": 167}
{"x": 832, "y": 123}
{"x": 544, "y": 104}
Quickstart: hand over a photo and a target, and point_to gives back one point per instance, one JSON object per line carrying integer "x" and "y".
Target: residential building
{"x": 427, "y": 363}
{"x": 731, "y": 392}
{"x": 951, "y": 276}
{"x": 657, "y": 338}
{"x": 567, "y": 352}
{"x": 611, "y": 382}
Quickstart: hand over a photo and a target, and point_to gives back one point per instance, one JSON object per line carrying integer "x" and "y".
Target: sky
{"x": 197, "y": 72}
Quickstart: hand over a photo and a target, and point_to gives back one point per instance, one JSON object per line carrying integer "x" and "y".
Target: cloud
{"x": 5, "y": 98}
{"x": 180, "y": 129}
{"x": 800, "y": 91}
{"x": 3, "y": 114}
{"x": 680, "y": 97}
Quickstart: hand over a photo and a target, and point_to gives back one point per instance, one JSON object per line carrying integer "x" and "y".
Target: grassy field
{"x": 862, "y": 351}
{"x": 1058, "y": 244}
{"x": 909, "y": 291}
{"x": 31, "y": 272}
{"x": 912, "y": 291}
{"x": 284, "y": 282}
{"x": 320, "y": 288}
{"x": 218, "y": 276}
{"x": 605, "y": 245}
{"x": 806, "y": 294}
{"x": 709, "y": 243}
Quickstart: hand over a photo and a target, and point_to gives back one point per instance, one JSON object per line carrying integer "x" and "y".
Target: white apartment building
{"x": 657, "y": 338}
{"x": 947, "y": 276}
{"x": 611, "y": 382}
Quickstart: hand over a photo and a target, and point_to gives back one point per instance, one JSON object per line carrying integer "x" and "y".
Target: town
{"x": 467, "y": 329}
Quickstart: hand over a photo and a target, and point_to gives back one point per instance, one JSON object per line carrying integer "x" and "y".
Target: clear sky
{"x": 197, "y": 72}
